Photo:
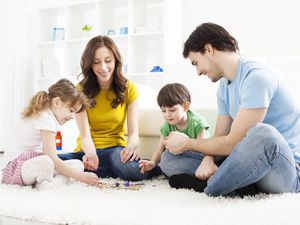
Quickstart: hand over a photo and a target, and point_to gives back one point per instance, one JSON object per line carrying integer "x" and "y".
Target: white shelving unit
{"x": 154, "y": 37}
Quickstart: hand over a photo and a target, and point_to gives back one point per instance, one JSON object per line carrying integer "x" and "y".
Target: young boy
{"x": 174, "y": 100}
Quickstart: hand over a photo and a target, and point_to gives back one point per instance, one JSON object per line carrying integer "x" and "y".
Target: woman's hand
{"x": 90, "y": 161}
{"x": 146, "y": 165}
{"x": 130, "y": 152}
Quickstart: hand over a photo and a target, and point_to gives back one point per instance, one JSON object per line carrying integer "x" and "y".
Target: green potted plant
{"x": 86, "y": 29}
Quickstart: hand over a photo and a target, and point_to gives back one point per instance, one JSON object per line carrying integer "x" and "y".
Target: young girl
{"x": 30, "y": 154}
{"x": 174, "y": 100}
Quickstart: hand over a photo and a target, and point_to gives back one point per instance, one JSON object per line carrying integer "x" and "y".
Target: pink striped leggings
{"x": 12, "y": 172}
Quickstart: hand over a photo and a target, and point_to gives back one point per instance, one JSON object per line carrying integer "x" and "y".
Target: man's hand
{"x": 90, "y": 161}
{"x": 176, "y": 142}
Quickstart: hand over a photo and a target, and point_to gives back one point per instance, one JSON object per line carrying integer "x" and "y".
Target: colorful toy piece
{"x": 156, "y": 69}
{"x": 58, "y": 140}
{"x": 127, "y": 185}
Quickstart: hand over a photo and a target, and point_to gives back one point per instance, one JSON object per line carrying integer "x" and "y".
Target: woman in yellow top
{"x": 102, "y": 145}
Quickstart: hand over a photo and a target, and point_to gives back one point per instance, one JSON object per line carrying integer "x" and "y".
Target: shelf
{"x": 120, "y": 36}
{"x": 52, "y": 42}
{"x": 86, "y": 39}
{"x": 146, "y": 32}
{"x": 145, "y": 74}
{"x": 150, "y": 33}
{"x": 81, "y": 2}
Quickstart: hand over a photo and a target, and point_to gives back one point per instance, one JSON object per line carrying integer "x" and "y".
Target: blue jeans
{"x": 187, "y": 162}
{"x": 262, "y": 157}
{"x": 110, "y": 165}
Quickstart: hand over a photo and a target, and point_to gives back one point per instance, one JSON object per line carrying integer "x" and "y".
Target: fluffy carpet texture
{"x": 155, "y": 204}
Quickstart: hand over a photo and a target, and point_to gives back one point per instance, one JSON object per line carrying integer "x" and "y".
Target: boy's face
{"x": 175, "y": 114}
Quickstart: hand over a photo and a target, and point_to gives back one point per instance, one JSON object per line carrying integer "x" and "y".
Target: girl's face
{"x": 175, "y": 115}
{"x": 103, "y": 66}
{"x": 62, "y": 111}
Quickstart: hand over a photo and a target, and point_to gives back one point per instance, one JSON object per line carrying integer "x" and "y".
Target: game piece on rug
{"x": 128, "y": 185}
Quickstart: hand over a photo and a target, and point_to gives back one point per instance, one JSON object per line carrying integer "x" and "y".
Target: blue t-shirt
{"x": 257, "y": 85}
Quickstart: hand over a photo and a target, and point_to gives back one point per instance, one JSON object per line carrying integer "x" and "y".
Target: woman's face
{"x": 103, "y": 66}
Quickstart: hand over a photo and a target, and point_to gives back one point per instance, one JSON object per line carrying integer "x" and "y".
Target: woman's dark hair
{"x": 89, "y": 84}
{"x": 173, "y": 94}
{"x": 210, "y": 33}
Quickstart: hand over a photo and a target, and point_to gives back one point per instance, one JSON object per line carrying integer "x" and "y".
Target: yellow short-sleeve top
{"x": 107, "y": 124}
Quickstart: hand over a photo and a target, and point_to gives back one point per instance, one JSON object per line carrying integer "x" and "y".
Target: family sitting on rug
{"x": 255, "y": 147}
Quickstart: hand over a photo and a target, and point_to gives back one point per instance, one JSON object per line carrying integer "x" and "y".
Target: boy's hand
{"x": 206, "y": 168}
{"x": 146, "y": 165}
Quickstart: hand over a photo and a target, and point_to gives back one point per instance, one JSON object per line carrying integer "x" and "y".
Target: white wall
{"x": 17, "y": 44}
{"x": 265, "y": 29}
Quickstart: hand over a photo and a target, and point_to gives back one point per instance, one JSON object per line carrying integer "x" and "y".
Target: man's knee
{"x": 262, "y": 131}
{"x": 261, "y": 138}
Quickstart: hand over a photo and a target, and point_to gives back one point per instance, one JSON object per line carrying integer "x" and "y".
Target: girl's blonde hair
{"x": 64, "y": 89}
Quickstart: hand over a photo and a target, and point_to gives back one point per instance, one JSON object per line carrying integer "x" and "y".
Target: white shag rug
{"x": 155, "y": 204}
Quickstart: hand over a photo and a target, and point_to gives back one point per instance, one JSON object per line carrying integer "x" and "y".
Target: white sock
{"x": 37, "y": 169}
{"x": 76, "y": 164}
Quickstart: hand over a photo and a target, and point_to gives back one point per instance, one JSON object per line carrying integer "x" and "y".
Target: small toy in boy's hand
{"x": 121, "y": 185}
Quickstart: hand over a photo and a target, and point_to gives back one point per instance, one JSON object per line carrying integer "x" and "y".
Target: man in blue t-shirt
{"x": 258, "y": 124}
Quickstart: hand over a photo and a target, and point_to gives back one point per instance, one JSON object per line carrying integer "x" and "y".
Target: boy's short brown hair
{"x": 173, "y": 94}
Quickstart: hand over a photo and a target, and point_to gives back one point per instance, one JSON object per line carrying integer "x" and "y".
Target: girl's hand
{"x": 90, "y": 161}
{"x": 146, "y": 165}
{"x": 129, "y": 153}
{"x": 89, "y": 178}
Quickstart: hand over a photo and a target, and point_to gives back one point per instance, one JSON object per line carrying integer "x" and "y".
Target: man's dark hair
{"x": 210, "y": 33}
